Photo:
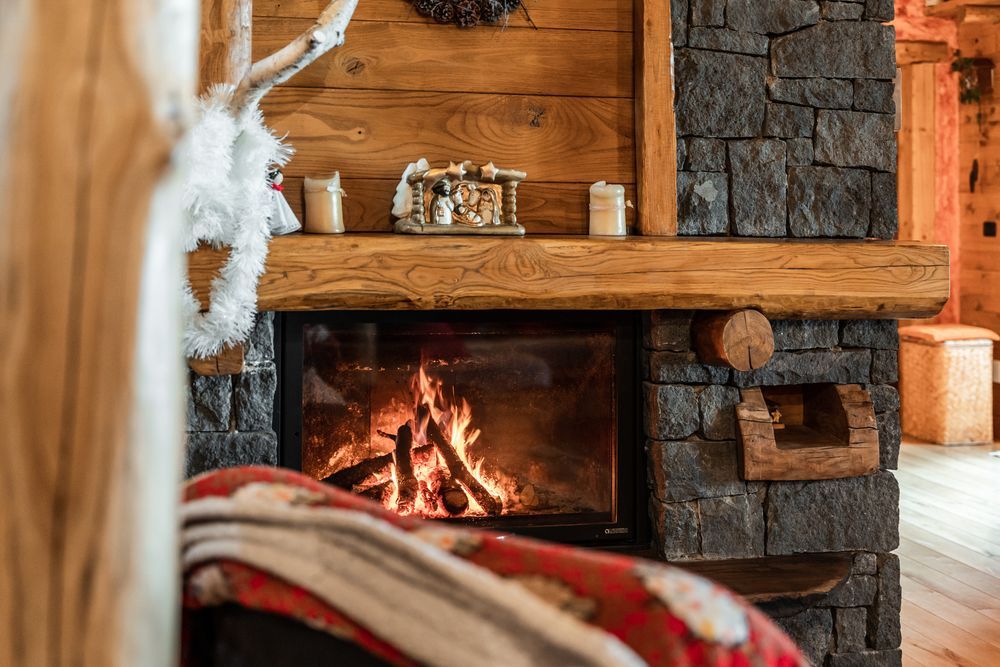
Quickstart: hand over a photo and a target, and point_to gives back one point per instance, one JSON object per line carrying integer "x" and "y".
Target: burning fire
{"x": 433, "y": 472}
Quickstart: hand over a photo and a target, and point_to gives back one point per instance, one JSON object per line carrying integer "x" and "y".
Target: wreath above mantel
{"x": 467, "y": 13}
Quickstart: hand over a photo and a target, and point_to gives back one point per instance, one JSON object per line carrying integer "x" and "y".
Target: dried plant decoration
{"x": 470, "y": 13}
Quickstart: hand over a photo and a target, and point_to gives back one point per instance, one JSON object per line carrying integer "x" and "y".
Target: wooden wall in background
{"x": 556, "y": 101}
{"x": 980, "y": 141}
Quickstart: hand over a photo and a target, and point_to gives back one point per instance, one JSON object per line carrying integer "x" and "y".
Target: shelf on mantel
{"x": 966, "y": 11}
{"x": 782, "y": 278}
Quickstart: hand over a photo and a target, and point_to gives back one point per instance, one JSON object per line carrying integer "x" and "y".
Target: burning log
{"x": 453, "y": 497}
{"x": 459, "y": 471}
{"x": 376, "y": 492}
{"x": 359, "y": 472}
{"x": 406, "y": 482}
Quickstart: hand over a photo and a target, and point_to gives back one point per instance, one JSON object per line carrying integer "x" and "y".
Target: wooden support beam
{"x": 91, "y": 469}
{"x": 655, "y": 138}
{"x": 801, "y": 578}
{"x": 782, "y": 279}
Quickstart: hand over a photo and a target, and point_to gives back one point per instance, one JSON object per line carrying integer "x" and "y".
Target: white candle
{"x": 324, "y": 210}
{"x": 607, "y": 209}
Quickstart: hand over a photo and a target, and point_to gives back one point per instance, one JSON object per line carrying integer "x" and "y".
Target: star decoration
{"x": 456, "y": 171}
{"x": 489, "y": 171}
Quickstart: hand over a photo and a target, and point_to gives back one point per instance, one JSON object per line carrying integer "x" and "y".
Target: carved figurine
{"x": 460, "y": 199}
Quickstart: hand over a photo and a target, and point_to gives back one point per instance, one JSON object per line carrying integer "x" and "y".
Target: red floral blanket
{"x": 649, "y": 613}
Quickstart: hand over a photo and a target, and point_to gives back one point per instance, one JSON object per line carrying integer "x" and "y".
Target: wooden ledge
{"x": 777, "y": 578}
{"x": 781, "y": 278}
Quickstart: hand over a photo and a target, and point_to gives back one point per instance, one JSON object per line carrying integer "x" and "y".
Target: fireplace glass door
{"x": 510, "y": 421}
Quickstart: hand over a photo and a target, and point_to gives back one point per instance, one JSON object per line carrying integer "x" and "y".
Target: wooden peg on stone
{"x": 228, "y": 362}
{"x": 740, "y": 339}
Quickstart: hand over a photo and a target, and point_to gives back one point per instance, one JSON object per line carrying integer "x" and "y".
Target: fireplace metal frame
{"x": 630, "y": 531}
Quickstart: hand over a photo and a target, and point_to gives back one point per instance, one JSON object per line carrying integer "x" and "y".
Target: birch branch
{"x": 325, "y": 34}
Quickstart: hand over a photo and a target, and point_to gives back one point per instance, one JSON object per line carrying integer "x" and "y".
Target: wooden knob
{"x": 740, "y": 339}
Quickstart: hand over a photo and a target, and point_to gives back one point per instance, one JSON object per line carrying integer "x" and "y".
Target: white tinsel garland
{"x": 228, "y": 201}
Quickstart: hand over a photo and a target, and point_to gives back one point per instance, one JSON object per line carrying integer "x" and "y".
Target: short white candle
{"x": 607, "y": 209}
{"x": 324, "y": 209}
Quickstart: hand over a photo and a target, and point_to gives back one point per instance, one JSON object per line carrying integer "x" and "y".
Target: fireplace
{"x": 523, "y": 421}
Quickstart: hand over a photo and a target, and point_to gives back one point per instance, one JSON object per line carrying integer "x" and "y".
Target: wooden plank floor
{"x": 950, "y": 555}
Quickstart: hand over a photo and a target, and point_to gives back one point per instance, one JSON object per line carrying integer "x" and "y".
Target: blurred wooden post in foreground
{"x": 92, "y": 97}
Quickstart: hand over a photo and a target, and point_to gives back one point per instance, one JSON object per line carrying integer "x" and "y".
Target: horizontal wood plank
{"x": 418, "y": 57}
{"x": 543, "y": 208}
{"x": 841, "y": 279}
{"x": 375, "y": 134}
{"x": 571, "y": 14}
{"x": 777, "y": 578}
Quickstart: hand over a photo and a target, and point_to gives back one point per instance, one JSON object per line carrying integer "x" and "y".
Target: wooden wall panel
{"x": 613, "y": 15}
{"x": 417, "y": 56}
{"x": 374, "y": 134}
{"x": 555, "y": 98}
{"x": 917, "y": 152}
{"x": 980, "y": 142}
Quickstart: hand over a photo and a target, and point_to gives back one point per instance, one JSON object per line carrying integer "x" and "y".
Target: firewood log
{"x": 453, "y": 497}
{"x": 359, "y": 472}
{"x": 459, "y": 471}
{"x": 405, "y": 480}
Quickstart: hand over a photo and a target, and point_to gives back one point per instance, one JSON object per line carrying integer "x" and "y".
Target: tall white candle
{"x": 324, "y": 208}
{"x": 607, "y": 209}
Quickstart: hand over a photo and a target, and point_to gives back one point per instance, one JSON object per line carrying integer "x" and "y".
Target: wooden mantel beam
{"x": 782, "y": 279}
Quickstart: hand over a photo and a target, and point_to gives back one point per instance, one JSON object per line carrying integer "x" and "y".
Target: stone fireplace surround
{"x": 784, "y": 121}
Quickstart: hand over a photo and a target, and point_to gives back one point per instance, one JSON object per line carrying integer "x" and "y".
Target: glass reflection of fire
{"x": 432, "y": 472}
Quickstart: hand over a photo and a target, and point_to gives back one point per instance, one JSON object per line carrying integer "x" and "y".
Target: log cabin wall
{"x": 980, "y": 144}
{"x": 785, "y": 129}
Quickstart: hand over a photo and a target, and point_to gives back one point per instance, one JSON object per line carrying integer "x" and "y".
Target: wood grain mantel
{"x": 783, "y": 279}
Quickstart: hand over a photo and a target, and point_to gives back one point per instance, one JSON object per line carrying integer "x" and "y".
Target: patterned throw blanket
{"x": 421, "y": 593}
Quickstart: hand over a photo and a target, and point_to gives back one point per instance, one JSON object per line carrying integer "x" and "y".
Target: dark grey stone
{"x": 788, "y": 121}
{"x": 801, "y": 518}
{"x": 867, "y": 659}
{"x": 885, "y": 367}
{"x": 703, "y": 203}
{"x": 260, "y": 347}
{"x": 675, "y": 529}
{"x": 684, "y": 368}
{"x": 877, "y": 334}
{"x": 828, "y": 202}
{"x": 718, "y": 413}
{"x": 819, "y": 93}
{"x": 211, "y": 451}
{"x": 731, "y": 526}
{"x": 858, "y": 590}
{"x": 757, "y": 187}
{"x": 890, "y": 437}
{"x": 210, "y": 399}
{"x": 681, "y": 153}
{"x": 804, "y": 334}
{"x": 671, "y": 411}
{"x": 841, "y": 11}
{"x": 771, "y": 16}
{"x": 865, "y": 563}
{"x": 883, "y": 621}
{"x": 855, "y": 139}
{"x": 708, "y": 13}
{"x": 885, "y": 398}
{"x": 885, "y": 207}
{"x": 871, "y": 95}
{"x": 255, "y": 388}
{"x": 678, "y": 22}
{"x": 812, "y": 630}
{"x": 667, "y": 330}
{"x": 851, "y": 627}
{"x": 693, "y": 469}
{"x": 811, "y": 366}
{"x": 724, "y": 39}
{"x": 705, "y": 154}
{"x": 799, "y": 152}
{"x": 880, "y": 10}
{"x": 837, "y": 50}
{"x": 719, "y": 94}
